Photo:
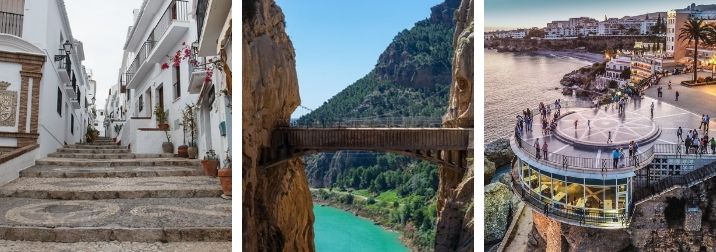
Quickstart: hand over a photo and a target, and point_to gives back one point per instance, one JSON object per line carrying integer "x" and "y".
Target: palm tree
{"x": 696, "y": 30}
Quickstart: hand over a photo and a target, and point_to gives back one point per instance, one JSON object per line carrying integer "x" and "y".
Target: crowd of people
{"x": 548, "y": 115}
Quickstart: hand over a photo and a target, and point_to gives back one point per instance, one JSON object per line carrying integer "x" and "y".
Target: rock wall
{"x": 277, "y": 207}
{"x": 562, "y": 237}
{"x": 455, "y": 223}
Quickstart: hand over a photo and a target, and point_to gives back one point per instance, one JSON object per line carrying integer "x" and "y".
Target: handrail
{"x": 431, "y": 122}
{"x": 585, "y": 163}
{"x": 679, "y": 149}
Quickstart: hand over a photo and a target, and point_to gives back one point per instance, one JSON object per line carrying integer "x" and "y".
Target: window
{"x": 59, "y": 101}
{"x": 141, "y": 103}
{"x": 211, "y": 97}
{"x": 72, "y": 124}
{"x": 177, "y": 82}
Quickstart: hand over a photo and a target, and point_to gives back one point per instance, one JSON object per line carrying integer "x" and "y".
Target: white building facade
{"x": 42, "y": 83}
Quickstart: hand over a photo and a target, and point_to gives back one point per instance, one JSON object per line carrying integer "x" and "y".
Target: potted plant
{"x": 189, "y": 123}
{"x": 225, "y": 176}
{"x": 161, "y": 118}
{"x": 168, "y": 146}
{"x": 117, "y": 129}
{"x": 182, "y": 149}
{"x": 210, "y": 162}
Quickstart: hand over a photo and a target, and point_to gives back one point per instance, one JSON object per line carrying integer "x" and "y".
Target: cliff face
{"x": 277, "y": 208}
{"x": 455, "y": 223}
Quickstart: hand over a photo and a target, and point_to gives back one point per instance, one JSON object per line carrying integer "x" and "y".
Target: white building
{"x": 614, "y": 69}
{"x": 518, "y": 34}
{"x": 214, "y": 93}
{"x": 42, "y": 83}
{"x": 155, "y": 68}
{"x": 676, "y": 19}
{"x": 99, "y": 123}
{"x": 115, "y": 111}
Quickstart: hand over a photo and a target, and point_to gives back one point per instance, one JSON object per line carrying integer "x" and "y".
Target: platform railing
{"x": 585, "y": 163}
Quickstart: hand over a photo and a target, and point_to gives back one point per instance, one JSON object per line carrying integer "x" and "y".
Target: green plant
{"x": 118, "y": 128}
{"x": 189, "y": 122}
{"x": 160, "y": 114}
{"x": 167, "y": 135}
{"x": 227, "y": 160}
{"x": 697, "y": 31}
{"x": 211, "y": 155}
{"x": 92, "y": 134}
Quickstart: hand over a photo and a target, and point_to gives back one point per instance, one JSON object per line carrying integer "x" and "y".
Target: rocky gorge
{"x": 277, "y": 204}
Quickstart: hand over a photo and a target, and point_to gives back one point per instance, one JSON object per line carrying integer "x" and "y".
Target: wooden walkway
{"x": 447, "y": 146}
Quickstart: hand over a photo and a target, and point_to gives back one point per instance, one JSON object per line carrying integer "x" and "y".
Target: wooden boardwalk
{"x": 447, "y": 146}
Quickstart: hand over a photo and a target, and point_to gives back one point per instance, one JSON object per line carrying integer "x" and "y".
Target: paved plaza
{"x": 700, "y": 100}
{"x": 636, "y": 124}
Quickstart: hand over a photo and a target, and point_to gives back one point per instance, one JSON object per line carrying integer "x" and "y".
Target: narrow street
{"x": 100, "y": 192}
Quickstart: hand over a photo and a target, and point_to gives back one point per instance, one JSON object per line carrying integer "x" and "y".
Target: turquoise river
{"x": 338, "y": 230}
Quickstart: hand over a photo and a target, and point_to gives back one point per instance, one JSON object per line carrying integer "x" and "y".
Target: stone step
{"x": 112, "y": 188}
{"x": 127, "y": 220}
{"x": 91, "y": 146}
{"x": 39, "y": 171}
{"x": 98, "y": 151}
{"x": 114, "y": 246}
{"x": 108, "y": 155}
{"x": 118, "y": 162}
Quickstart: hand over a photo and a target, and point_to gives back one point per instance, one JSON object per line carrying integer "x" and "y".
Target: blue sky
{"x": 530, "y": 13}
{"x": 338, "y": 42}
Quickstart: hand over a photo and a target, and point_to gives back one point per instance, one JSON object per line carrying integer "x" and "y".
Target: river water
{"x": 338, "y": 230}
{"x": 515, "y": 81}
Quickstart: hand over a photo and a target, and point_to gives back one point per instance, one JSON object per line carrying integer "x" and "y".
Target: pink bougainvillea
{"x": 165, "y": 65}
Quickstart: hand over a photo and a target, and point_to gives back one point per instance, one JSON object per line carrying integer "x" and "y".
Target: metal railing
{"x": 11, "y": 23}
{"x": 66, "y": 64}
{"x": 177, "y": 11}
{"x": 680, "y": 149}
{"x": 139, "y": 59}
{"x": 375, "y": 122}
{"x": 583, "y": 216}
{"x": 585, "y": 163}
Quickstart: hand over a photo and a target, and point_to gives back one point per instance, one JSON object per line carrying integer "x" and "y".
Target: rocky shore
{"x": 500, "y": 203}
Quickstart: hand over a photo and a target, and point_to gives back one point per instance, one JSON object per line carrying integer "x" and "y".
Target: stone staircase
{"x": 665, "y": 185}
{"x": 101, "y": 192}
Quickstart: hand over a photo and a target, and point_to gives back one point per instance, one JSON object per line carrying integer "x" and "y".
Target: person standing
{"x": 588, "y": 124}
{"x": 615, "y": 157}
{"x": 713, "y": 146}
{"x": 609, "y": 137}
{"x": 537, "y": 149}
{"x": 679, "y": 133}
{"x": 677, "y": 95}
{"x": 652, "y": 109}
{"x": 544, "y": 150}
{"x": 575, "y": 125}
{"x": 703, "y": 117}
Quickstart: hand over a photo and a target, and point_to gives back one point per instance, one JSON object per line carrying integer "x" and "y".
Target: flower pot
{"x": 210, "y": 167}
{"x": 182, "y": 151}
{"x": 168, "y": 147}
{"x": 163, "y": 126}
{"x": 192, "y": 152}
{"x": 225, "y": 179}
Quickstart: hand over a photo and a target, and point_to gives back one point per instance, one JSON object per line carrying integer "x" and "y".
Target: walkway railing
{"x": 585, "y": 163}
{"x": 680, "y": 149}
{"x": 667, "y": 184}
{"x": 373, "y": 122}
{"x": 582, "y": 216}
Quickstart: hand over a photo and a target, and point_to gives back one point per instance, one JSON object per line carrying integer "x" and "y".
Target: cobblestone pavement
{"x": 25, "y": 246}
{"x": 114, "y": 202}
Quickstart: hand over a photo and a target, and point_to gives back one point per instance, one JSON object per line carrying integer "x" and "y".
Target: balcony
{"x": 211, "y": 17}
{"x": 75, "y": 100}
{"x": 173, "y": 23}
{"x": 71, "y": 86}
{"x": 198, "y": 76}
{"x": 11, "y": 23}
{"x": 65, "y": 68}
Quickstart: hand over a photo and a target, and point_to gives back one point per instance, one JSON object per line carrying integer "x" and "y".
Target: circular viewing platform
{"x": 578, "y": 181}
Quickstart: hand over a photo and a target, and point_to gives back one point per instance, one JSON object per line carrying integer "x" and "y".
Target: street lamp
{"x": 67, "y": 47}
{"x": 93, "y": 99}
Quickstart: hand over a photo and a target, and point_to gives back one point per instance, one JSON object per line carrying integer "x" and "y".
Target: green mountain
{"x": 411, "y": 78}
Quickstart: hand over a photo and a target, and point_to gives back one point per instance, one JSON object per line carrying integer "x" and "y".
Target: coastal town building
{"x": 155, "y": 74}
{"x": 645, "y": 65}
{"x": 211, "y": 77}
{"x": 43, "y": 84}
{"x": 115, "y": 110}
{"x": 99, "y": 123}
{"x": 614, "y": 70}
{"x": 681, "y": 50}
